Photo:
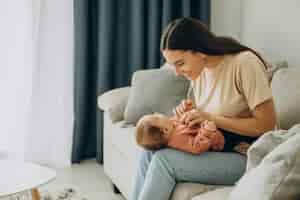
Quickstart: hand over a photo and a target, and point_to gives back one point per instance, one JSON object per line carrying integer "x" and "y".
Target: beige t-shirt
{"x": 233, "y": 88}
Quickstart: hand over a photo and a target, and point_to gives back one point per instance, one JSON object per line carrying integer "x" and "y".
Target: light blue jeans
{"x": 159, "y": 171}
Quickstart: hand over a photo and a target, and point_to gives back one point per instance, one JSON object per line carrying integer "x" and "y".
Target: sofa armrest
{"x": 114, "y": 103}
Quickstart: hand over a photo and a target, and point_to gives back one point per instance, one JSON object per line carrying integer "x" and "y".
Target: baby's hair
{"x": 149, "y": 137}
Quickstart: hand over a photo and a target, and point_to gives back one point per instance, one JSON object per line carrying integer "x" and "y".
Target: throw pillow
{"x": 276, "y": 177}
{"x": 154, "y": 90}
{"x": 266, "y": 143}
{"x": 274, "y": 67}
{"x": 114, "y": 103}
{"x": 285, "y": 88}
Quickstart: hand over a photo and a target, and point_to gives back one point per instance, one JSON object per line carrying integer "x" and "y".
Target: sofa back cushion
{"x": 286, "y": 92}
{"x": 154, "y": 90}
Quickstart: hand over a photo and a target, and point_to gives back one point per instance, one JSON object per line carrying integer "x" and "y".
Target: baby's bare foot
{"x": 242, "y": 147}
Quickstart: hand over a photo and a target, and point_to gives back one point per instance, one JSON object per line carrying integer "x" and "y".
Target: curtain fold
{"x": 50, "y": 115}
{"x": 17, "y": 60}
{"x": 113, "y": 39}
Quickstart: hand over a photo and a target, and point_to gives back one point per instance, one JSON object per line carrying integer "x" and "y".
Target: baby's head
{"x": 153, "y": 131}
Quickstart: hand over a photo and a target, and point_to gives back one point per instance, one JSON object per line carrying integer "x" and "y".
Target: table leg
{"x": 35, "y": 194}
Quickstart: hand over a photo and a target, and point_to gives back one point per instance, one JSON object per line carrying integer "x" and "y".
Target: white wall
{"x": 226, "y": 18}
{"x": 16, "y": 61}
{"x": 270, "y": 26}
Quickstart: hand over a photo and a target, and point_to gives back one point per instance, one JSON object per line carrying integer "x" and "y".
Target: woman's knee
{"x": 157, "y": 159}
{"x": 160, "y": 158}
{"x": 161, "y": 165}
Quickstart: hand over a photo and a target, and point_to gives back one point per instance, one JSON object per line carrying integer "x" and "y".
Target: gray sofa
{"x": 121, "y": 152}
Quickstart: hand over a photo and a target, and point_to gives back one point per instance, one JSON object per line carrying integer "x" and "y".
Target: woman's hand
{"x": 183, "y": 107}
{"x": 195, "y": 117}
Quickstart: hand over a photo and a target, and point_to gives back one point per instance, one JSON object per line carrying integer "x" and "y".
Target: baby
{"x": 156, "y": 131}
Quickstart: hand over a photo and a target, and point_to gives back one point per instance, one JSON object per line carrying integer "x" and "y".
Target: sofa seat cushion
{"x": 123, "y": 138}
{"x": 218, "y": 194}
{"x": 187, "y": 190}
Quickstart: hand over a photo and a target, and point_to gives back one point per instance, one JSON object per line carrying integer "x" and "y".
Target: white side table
{"x": 19, "y": 176}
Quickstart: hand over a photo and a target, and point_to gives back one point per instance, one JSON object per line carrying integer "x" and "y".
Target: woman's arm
{"x": 263, "y": 120}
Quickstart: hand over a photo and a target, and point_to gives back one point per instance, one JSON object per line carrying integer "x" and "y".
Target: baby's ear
{"x": 164, "y": 131}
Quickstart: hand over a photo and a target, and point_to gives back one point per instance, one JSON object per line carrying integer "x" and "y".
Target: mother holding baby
{"x": 230, "y": 87}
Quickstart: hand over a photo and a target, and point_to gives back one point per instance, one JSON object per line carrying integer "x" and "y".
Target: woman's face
{"x": 187, "y": 63}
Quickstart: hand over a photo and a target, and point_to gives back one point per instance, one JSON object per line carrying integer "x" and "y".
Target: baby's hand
{"x": 208, "y": 129}
{"x": 209, "y": 125}
{"x": 188, "y": 105}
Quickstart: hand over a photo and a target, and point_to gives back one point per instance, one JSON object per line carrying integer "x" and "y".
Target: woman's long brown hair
{"x": 191, "y": 34}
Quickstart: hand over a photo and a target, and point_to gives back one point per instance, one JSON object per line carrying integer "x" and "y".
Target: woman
{"x": 231, "y": 88}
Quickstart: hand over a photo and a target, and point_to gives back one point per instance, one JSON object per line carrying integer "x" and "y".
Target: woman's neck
{"x": 214, "y": 61}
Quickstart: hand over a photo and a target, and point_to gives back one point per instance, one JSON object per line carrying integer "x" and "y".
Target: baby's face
{"x": 160, "y": 121}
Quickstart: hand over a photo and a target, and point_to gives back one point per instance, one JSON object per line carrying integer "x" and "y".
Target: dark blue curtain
{"x": 114, "y": 38}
